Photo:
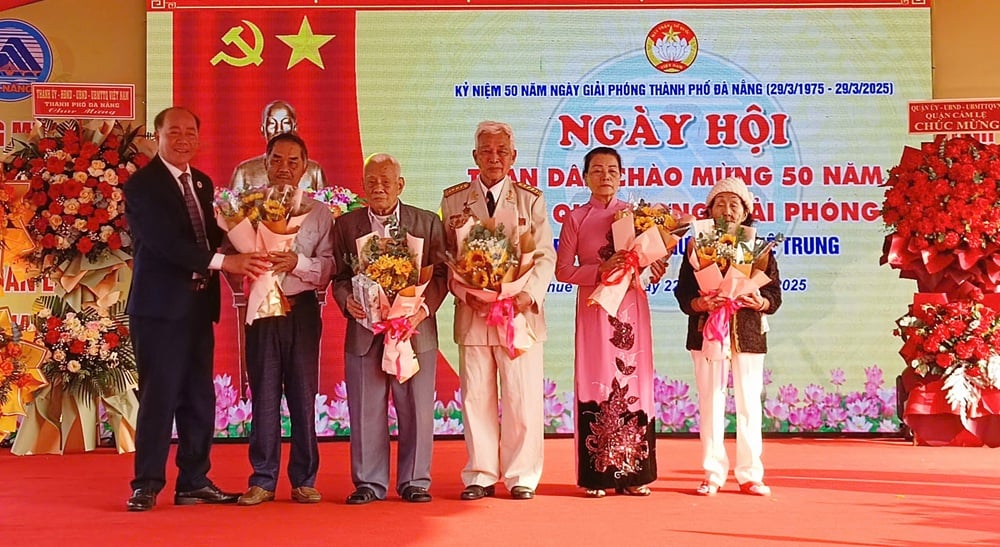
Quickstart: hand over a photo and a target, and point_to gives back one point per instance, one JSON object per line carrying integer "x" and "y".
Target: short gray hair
{"x": 380, "y": 157}
{"x": 491, "y": 128}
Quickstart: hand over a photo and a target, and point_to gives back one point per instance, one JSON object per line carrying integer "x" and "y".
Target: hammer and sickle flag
{"x": 251, "y": 53}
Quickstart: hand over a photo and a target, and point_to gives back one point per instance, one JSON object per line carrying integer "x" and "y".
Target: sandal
{"x": 706, "y": 489}
{"x": 642, "y": 490}
{"x": 755, "y": 489}
{"x": 596, "y": 493}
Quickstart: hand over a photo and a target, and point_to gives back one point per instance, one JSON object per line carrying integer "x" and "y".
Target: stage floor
{"x": 826, "y": 492}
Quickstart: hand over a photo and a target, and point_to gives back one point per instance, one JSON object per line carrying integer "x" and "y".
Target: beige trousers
{"x": 510, "y": 449}
{"x": 748, "y": 383}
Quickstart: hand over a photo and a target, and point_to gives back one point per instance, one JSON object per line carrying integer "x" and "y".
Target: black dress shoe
{"x": 361, "y": 496}
{"x": 205, "y": 494}
{"x": 475, "y": 492}
{"x": 143, "y": 499}
{"x": 416, "y": 494}
{"x": 522, "y": 493}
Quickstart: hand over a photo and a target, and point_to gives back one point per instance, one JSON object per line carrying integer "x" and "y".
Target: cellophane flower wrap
{"x": 646, "y": 232}
{"x": 338, "y": 199}
{"x": 75, "y": 205}
{"x": 389, "y": 283}
{"x": 262, "y": 219}
{"x": 494, "y": 267}
{"x": 20, "y": 377}
{"x": 957, "y": 342}
{"x": 942, "y": 207}
{"x": 730, "y": 261}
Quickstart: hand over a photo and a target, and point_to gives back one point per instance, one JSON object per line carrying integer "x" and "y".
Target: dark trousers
{"x": 283, "y": 355}
{"x": 174, "y": 360}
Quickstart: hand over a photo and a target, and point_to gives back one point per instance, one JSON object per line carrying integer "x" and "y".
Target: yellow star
{"x": 305, "y": 45}
{"x": 671, "y": 35}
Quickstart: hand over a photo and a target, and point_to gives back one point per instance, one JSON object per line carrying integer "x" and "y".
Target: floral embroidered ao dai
{"x": 615, "y": 429}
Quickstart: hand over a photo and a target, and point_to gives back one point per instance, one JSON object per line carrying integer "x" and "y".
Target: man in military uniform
{"x": 510, "y": 451}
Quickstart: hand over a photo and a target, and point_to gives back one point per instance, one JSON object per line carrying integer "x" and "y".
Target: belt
{"x": 199, "y": 284}
{"x": 293, "y": 299}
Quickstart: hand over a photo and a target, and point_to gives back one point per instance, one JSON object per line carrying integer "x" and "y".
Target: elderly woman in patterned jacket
{"x": 730, "y": 199}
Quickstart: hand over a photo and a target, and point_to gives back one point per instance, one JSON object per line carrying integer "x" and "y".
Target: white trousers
{"x": 748, "y": 383}
{"x": 512, "y": 448}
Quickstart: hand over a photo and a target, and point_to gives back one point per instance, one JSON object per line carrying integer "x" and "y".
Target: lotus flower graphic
{"x": 671, "y": 49}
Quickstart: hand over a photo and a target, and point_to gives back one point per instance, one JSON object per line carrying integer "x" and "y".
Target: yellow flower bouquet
{"x": 646, "y": 216}
{"x": 730, "y": 261}
{"x": 647, "y": 233}
{"x": 495, "y": 268}
{"x": 389, "y": 283}
{"x": 264, "y": 219}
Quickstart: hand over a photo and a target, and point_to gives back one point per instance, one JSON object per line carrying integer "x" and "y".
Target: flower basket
{"x": 952, "y": 351}
{"x": 90, "y": 361}
{"x": 941, "y": 208}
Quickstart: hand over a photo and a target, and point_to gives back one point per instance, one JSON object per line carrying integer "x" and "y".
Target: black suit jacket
{"x": 417, "y": 222}
{"x": 166, "y": 250}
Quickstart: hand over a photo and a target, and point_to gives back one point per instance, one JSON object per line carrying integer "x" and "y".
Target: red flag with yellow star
{"x": 237, "y": 61}
{"x": 227, "y": 65}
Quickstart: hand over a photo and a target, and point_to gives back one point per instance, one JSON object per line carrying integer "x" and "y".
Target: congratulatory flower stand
{"x": 942, "y": 205}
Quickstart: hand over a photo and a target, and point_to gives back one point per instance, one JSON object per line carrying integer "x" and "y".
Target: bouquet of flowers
{"x": 491, "y": 266}
{"x": 647, "y": 233}
{"x": 389, "y": 283}
{"x": 90, "y": 354}
{"x": 646, "y": 216}
{"x": 940, "y": 206}
{"x": 716, "y": 242}
{"x": 728, "y": 260}
{"x": 19, "y": 374}
{"x": 262, "y": 219}
{"x": 75, "y": 173}
{"x": 488, "y": 258}
{"x": 338, "y": 199}
{"x": 958, "y": 342}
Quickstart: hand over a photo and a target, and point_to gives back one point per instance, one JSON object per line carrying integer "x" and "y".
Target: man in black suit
{"x": 173, "y": 301}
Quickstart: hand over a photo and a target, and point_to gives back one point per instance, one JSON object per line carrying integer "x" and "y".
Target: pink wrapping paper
{"x": 264, "y": 297}
{"x": 512, "y": 327}
{"x": 647, "y": 247}
{"x": 735, "y": 283}
{"x": 398, "y": 358}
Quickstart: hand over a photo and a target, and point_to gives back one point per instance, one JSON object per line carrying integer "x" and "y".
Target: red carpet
{"x": 826, "y": 492}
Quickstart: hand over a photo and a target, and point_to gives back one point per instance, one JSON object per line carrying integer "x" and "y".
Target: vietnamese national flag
{"x": 303, "y": 57}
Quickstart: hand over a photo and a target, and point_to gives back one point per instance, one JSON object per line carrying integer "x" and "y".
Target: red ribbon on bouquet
{"x": 397, "y": 355}
{"x": 395, "y": 329}
{"x": 616, "y": 275}
{"x": 502, "y": 314}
